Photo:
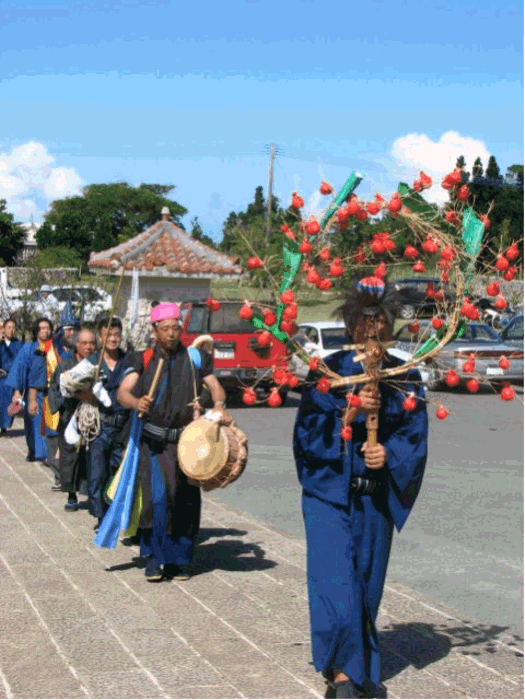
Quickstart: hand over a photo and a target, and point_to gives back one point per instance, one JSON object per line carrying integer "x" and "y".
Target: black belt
{"x": 361, "y": 486}
{"x": 113, "y": 420}
{"x": 161, "y": 434}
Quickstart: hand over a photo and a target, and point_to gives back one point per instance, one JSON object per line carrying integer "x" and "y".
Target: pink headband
{"x": 163, "y": 311}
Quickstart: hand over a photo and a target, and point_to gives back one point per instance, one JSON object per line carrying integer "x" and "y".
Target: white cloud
{"x": 28, "y": 168}
{"x": 415, "y": 152}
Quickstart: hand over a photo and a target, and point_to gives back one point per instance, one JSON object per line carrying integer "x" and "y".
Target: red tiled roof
{"x": 166, "y": 247}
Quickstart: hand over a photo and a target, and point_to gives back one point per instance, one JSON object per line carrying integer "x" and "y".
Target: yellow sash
{"x": 50, "y": 420}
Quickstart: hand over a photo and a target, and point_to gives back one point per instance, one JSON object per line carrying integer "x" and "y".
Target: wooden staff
{"x": 156, "y": 377}
{"x": 111, "y": 316}
{"x": 374, "y": 353}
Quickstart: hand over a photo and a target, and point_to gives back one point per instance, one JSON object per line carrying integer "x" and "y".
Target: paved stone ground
{"x": 77, "y": 621}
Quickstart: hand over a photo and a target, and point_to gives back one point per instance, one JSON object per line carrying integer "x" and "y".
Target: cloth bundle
{"x": 85, "y": 422}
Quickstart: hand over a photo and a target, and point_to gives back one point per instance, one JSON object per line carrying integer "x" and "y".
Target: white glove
{"x": 71, "y": 435}
{"x": 101, "y": 394}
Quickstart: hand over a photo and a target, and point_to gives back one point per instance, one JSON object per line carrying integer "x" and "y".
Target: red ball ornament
{"x": 417, "y": 186}
{"x": 437, "y": 323}
{"x": 377, "y": 246}
{"x": 305, "y": 247}
{"x": 389, "y": 244}
{"x": 313, "y": 277}
{"x": 343, "y": 215}
{"x": 500, "y": 302}
{"x": 395, "y": 204}
{"x": 493, "y": 289}
{"x": 346, "y": 433}
{"x": 353, "y": 400}
{"x": 325, "y": 188}
{"x": 313, "y": 363}
{"x": 286, "y": 326}
{"x": 380, "y": 270}
{"x": 353, "y": 206}
{"x": 510, "y": 274}
{"x": 324, "y": 284}
{"x": 323, "y": 385}
{"x": 411, "y": 252}
{"x": 512, "y": 252}
{"x": 361, "y": 215}
{"x": 507, "y": 393}
{"x": 288, "y": 232}
{"x": 430, "y": 292}
{"x": 312, "y": 226}
{"x": 264, "y": 339}
{"x": 430, "y": 246}
{"x": 280, "y": 376}
{"x": 274, "y": 399}
{"x": 249, "y": 397}
{"x": 336, "y": 269}
{"x": 290, "y": 312}
{"x": 288, "y": 297}
{"x": 485, "y": 220}
{"x": 452, "y": 378}
{"x": 297, "y": 201}
{"x": 373, "y": 208}
{"x": 473, "y": 385}
{"x": 325, "y": 255}
{"x": 501, "y": 263}
{"x": 254, "y": 262}
{"x": 246, "y": 312}
{"x": 269, "y": 317}
{"x": 463, "y": 193}
{"x": 452, "y": 218}
{"x": 445, "y": 276}
{"x": 447, "y": 253}
{"x": 504, "y": 362}
{"x": 213, "y": 304}
{"x": 292, "y": 380}
{"x": 413, "y": 327}
{"x": 409, "y": 404}
{"x": 426, "y": 181}
{"x": 419, "y": 267}
{"x": 470, "y": 365}
{"x": 441, "y": 413}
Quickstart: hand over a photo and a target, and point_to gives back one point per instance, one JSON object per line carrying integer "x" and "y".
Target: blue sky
{"x": 190, "y": 93}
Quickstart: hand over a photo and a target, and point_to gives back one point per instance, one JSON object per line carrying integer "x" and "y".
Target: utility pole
{"x": 270, "y": 188}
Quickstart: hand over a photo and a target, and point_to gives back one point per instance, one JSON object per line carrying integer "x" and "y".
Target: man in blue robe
{"x": 63, "y": 336}
{"x": 355, "y": 493}
{"x": 9, "y": 349}
{"x": 105, "y": 451}
{"x": 25, "y": 374}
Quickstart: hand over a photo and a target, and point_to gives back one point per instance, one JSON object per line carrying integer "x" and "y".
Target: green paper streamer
{"x": 346, "y": 190}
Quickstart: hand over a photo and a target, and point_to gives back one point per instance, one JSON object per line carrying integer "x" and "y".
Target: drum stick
{"x": 154, "y": 383}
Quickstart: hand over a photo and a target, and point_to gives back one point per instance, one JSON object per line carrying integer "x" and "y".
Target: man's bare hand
{"x": 370, "y": 398}
{"x": 144, "y": 404}
{"x": 225, "y": 419}
{"x": 32, "y": 408}
{"x": 375, "y": 457}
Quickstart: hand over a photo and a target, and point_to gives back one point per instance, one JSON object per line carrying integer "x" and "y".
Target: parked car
{"x": 417, "y": 303}
{"x": 513, "y": 332}
{"x": 322, "y": 338}
{"x": 89, "y": 303}
{"x": 479, "y": 339}
{"x": 238, "y": 358}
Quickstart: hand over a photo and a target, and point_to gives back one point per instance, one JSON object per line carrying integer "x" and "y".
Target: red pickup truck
{"x": 238, "y": 359}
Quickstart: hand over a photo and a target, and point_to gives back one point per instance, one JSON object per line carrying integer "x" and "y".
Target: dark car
{"x": 414, "y": 291}
{"x": 513, "y": 332}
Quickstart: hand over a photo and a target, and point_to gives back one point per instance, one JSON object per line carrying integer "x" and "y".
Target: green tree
{"x": 461, "y": 162}
{"x": 518, "y": 170}
{"x": 12, "y": 235}
{"x": 198, "y": 234}
{"x": 104, "y": 216}
{"x": 60, "y": 256}
{"x": 477, "y": 168}
{"x": 493, "y": 170}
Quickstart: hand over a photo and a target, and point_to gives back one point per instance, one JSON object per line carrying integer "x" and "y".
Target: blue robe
{"x": 349, "y": 536}
{"x": 8, "y": 354}
{"x": 26, "y": 372}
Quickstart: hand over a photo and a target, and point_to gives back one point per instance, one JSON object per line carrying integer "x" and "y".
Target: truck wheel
{"x": 407, "y": 312}
{"x": 434, "y": 383}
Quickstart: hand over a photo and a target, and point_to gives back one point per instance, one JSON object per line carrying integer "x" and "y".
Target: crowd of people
{"x": 355, "y": 490}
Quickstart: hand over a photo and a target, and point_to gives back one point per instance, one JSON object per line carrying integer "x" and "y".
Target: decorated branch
{"x": 451, "y": 239}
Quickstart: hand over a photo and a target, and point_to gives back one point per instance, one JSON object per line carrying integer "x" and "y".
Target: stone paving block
{"x": 121, "y": 683}
{"x": 410, "y": 683}
{"x": 207, "y": 691}
{"x": 172, "y": 673}
{"x": 267, "y": 680}
{"x": 161, "y": 643}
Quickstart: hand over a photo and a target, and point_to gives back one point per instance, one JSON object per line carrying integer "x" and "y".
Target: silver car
{"x": 480, "y": 340}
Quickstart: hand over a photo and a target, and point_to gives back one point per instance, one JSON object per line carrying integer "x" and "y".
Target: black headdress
{"x": 369, "y": 297}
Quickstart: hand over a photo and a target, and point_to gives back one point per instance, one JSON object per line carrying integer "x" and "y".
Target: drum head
{"x": 202, "y": 449}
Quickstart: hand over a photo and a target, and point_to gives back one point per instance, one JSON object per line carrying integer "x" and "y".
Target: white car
{"x": 323, "y": 338}
{"x": 91, "y": 301}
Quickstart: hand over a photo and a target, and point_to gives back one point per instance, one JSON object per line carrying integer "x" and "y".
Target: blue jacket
{"x": 326, "y": 464}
